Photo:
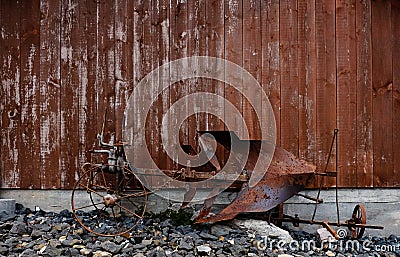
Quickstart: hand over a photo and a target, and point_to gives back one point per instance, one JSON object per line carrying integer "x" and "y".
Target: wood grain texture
{"x": 323, "y": 64}
{"x": 69, "y": 93}
{"x": 270, "y": 72}
{"x": 307, "y": 80}
{"x": 346, "y": 71}
{"x": 123, "y": 60}
{"x": 252, "y": 63}
{"x": 178, "y": 49}
{"x": 50, "y": 75}
{"x": 395, "y": 178}
{"x": 30, "y": 95}
{"x": 364, "y": 95}
{"x": 10, "y": 63}
{"x": 326, "y": 82}
{"x": 214, "y": 43}
{"x": 382, "y": 83}
{"x": 289, "y": 76}
{"x": 88, "y": 85}
{"x": 234, "y": 53}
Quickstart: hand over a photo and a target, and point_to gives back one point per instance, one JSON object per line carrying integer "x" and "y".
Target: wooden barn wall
{"x": 324, "y": 64}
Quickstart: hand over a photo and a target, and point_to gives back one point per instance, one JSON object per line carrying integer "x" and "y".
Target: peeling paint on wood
{"x": 64, "y": 63}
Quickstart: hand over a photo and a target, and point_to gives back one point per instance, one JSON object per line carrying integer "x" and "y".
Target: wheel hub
{"x": 110, "y": 200}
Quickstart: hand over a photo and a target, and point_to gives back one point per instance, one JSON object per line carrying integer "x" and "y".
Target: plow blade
{"x": 286, "y": 176}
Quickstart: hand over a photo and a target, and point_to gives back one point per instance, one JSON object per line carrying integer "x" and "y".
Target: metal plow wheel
{"x": 113, "y": 207}
{"x": 357, "y": 222}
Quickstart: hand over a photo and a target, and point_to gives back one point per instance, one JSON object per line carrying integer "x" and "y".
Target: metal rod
{"x": 310, "y": 198}
{"x": 336, "y": 224}
{"x": 336, "y": 157}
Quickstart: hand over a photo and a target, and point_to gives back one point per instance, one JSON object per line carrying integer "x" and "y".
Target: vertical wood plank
{"x": 140, "y": 17}
{"x": 161, "y": 39}
{"x": 88, "y": 118}
{"x": 30, "y": 95}
{"x": 123, "y": 60}
{"x": 178, "y": 49}
{"x": 10, "y": 102}
{"x": 289, "y": 76}
{"x": 106, "y": 69}
{"x": 69, "y": 93}
{"x": 307, "y": 80}
{"x": 326, "y": 83}
{"x": 252, "y": 62}
{"x": 270, "y": 72}
{"x": 199, "y": 36}
{"x": 154, "y": 119}
{"x": 364, "y": 94}
{"x": 212, "y": 42}
{"x": 234, "y": 52}
{"x": 193, "y": 49}
{"x": 50, "y": 93}
{"x": 382, "y": 82}
{"x": 346, "y": 91}
{"x": 396, "y": 93}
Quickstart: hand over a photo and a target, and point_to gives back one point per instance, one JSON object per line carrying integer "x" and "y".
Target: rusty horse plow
{"x": 117, "y": 198}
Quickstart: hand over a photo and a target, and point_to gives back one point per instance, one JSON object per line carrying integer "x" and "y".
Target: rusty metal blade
{"x": 188, "y": 197}
{"x": 208, "y": 203}
{"x": 286, "y": 176}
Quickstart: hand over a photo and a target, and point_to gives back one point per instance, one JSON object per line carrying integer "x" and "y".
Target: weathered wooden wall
{"x": 323, "y": 63}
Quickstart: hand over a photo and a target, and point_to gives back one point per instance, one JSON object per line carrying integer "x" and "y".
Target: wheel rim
{"x": 113, "y": 208}
{"x": 358, "y": 217}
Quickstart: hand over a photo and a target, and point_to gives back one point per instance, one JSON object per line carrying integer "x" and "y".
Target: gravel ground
{"x": 42, "y": 233}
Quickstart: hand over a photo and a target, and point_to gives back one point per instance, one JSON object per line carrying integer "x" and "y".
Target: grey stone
{"x": 52, "y": 251}
{"x": 3, "y": 250}
{"x": 28, "y": 253}
{"x": 220, "y": 230}
{"x": 36, "y": 233}
{"x": 186, "y": 243}
{"x": 110, "y": 247}
{"x": 262, "y": 228}
{"x": 208, "y": 236}
{"x": 19, "y": 228}
{"x": 203, "y": 249}
{"x": 147, "y": 242}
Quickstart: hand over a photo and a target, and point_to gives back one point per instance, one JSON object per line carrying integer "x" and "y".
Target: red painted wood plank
{"x": 106, "y": 68}
{"x": 270, "y": 72}
{"x": 234, "y": 53}
{"x": 10, "y": 72}
{"x": 123, "y": 60}
{"x": 364, "y": 94}
{"x": 160, "y": 56}
{"x": 212, "y": 42}
{"x": 382, "y": 83}
{"x": 88, "y": 117}
{"x": 395, "y": 178}
{"x": 289, "y": 76}
{"x": 252, "y": 63}
{"x": 326, "y": 83}
{"x": 346, "y": 53}
{"x": 178, "y": 49}
{"x": 30, "y": 95}
{"x": 159, "y": 12}
{"x": 69, "y": 135}
{"x": 307, "y": 80}
{"x": 50, "y": 94}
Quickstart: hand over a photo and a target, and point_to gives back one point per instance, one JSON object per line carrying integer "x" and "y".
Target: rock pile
{"x": 42, "y": 233}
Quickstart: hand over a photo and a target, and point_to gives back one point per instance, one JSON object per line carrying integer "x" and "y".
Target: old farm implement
{"x": 117, "y": 199}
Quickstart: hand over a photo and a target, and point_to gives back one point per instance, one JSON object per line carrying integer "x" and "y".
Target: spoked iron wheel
{"x": 359, "y": 217}
{"x": 116, "y": 203}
